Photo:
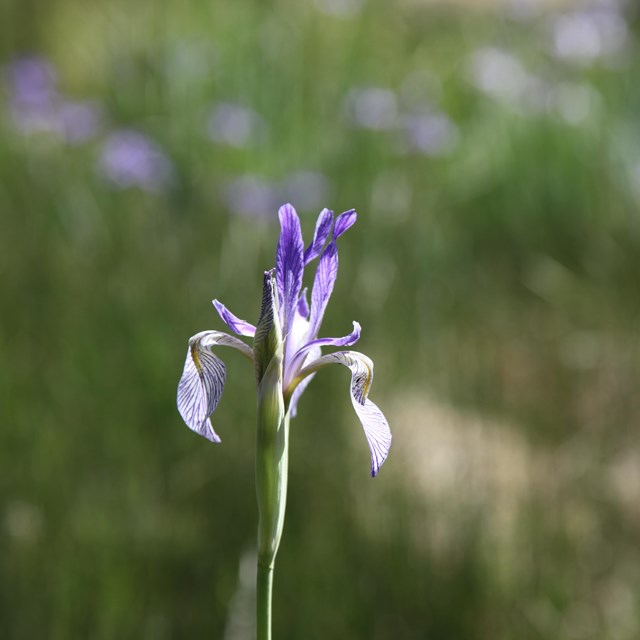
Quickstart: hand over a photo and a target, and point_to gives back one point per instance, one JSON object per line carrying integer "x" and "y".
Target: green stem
{"x": 272, "y": 462}
{"x": 263, "y": 597}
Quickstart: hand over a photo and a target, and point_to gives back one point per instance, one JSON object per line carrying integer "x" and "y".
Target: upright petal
{"x": 320, "y": 235}
{"x": 202, "y": 381}
{"x": 323, "y": 283}
{"x": 237, "y": 325}
{"x": 343, "y": 222}
{"x": 289, "y": 264}
{"x": 375, "y": 426}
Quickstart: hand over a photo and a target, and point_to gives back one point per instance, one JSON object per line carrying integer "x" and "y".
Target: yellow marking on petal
{"x": 196, "y": 358}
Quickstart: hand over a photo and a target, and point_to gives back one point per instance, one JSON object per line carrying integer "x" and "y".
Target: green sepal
{"x": 268, "y": 341}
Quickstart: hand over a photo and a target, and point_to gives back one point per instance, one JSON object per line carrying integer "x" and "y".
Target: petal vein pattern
{"x": 320, "y": 235}
{"x": 326, "y": 275}
{"x": 343, "y": 222}
{"x": 202, "y": 381}
{"x": 289, "y": 264}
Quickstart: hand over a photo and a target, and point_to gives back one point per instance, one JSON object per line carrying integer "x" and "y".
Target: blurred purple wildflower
{"x": 31, "y": 82}
{"x": 131, "y": 159}
{"x": 35, "y": 104}
{"x": 31, "y": 85}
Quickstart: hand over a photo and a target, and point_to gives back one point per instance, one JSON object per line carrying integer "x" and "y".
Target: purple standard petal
{"x": 289, "y": 264}
{"x": 237, "y": 325}
{"x": 323, "y": 286}
{"x": 343, "y": 222}
{"x": 320, "y": 235}
{"x": 202, "y": 380}
{"x": 375, "y": 425}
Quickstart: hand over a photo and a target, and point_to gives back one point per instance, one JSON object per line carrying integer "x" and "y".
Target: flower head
{"x": 287, "y": 333}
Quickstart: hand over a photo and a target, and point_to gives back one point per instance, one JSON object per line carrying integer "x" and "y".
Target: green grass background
{"x": 496, "y": 285}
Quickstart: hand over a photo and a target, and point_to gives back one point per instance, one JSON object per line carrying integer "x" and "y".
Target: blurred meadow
{"x": 492, "y": 152}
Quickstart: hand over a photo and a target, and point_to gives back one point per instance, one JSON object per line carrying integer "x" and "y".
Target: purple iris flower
{"x": 299, "y": 321}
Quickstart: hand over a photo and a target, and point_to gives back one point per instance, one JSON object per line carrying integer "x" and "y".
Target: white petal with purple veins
{"x": 202, "y": 381}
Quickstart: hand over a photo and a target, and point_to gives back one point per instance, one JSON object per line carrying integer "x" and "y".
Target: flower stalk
{"x": 286, "y": 355}
{"x": 272, "y": 449}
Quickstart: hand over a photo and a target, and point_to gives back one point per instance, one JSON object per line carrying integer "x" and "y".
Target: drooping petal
{"x": 375, "y": 426}
{"x": 320, "y": 235}
{"x": 289, "y": 264}
{"x": 202, "y": 381}
{"x": 323, "y": 287}
{"x": 376, "y": 430}
{"x": 343, "y": 222}
{"x": 237, "y": 325}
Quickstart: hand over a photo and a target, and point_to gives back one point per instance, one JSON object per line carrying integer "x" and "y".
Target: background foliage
{"x": 493, "y": 157}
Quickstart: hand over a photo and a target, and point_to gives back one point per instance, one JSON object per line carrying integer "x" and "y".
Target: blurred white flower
{"x": 588, "y": 34}
{"x": 235, "y": 125}
{"x": 372, "y": 108}
{"x": 433, "y": 134}
{"x": 497, "y": 73}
